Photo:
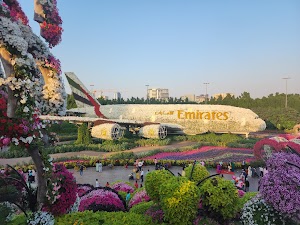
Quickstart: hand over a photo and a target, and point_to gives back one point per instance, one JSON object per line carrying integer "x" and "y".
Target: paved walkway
{"x": 138, "y": 150}
{"x": 120, "y": 173}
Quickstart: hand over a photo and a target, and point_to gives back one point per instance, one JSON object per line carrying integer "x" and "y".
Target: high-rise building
{"x": 117, "y": 95}
{"x": 158, "y": 93}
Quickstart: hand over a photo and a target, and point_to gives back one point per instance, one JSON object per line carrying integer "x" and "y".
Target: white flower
{"x": 26, "y": 109}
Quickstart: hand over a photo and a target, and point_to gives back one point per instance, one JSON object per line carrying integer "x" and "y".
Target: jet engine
{"x": 155, "y": 131}
{"x": 107, "y": 131}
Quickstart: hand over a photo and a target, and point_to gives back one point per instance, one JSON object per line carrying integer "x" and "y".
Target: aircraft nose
{"x": 263, "y": 125}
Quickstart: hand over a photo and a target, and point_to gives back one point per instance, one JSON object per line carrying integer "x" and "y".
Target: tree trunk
{"x": 41, "y": 182}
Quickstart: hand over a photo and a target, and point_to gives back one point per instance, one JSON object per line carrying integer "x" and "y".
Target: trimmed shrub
{"x": 141, "y": 208}
{"x": 84, "y": 135}
{"x": 199, "y": 172}
{"x": 219, "y": 198}
{"x": 179, "y": 200}
{"x": 154, "y": 180}
{"x": 104, "y": 218}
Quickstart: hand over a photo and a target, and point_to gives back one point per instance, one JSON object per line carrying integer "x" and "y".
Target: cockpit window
{"x": 256, "y": 117}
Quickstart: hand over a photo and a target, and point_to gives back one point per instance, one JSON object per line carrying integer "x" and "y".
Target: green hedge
{"x": 104, "y": 218}
{"x": 141, "y": 208}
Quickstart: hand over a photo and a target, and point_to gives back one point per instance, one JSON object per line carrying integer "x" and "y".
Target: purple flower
{"x": 280, "y": 186}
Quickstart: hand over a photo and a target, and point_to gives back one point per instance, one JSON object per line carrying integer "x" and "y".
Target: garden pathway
{"x": 120, "y": 173}
{"x": 14, "y": 161}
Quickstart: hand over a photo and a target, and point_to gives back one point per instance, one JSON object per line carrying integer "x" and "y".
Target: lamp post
{"x": 206, "y": 92}
{"x": 147, "y": 85}
{"x": 92, "y": 90}
{"x": 286, "y": 79}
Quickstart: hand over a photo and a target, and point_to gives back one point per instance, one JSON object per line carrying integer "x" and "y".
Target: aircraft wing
{"x": 172, "y": 128}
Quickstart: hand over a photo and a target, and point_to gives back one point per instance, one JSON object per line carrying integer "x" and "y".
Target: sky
{"x": 233, "y": 45}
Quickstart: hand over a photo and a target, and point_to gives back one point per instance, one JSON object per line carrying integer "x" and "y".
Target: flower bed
{"x": 208, "y": 153}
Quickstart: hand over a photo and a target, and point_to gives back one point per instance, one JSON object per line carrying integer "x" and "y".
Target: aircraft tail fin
{"x": 82, "y": 95}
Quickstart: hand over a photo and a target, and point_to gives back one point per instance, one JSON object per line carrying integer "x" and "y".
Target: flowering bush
{"x": 257, "y": 212}
{"x": 265, "y": 147}
{"x": 16, "y": 13}
{"x": 140, "y": 196}
{"x": 101, "y": 199}
{"x": 280, "y": 186}
{"x": 241, "y": 193}
{"x": 62, "y": 190}
{"x": 156, "y": 213}
{"x": 82, "y": 189}
{"x": 41, "y": 218}
{"x": 121, "y": 186}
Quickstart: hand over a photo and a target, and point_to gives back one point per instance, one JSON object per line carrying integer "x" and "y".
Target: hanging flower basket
{"x": 52, "y": 33}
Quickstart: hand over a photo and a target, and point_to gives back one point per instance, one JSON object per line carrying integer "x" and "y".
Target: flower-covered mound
{"x": 82, "y": 189}
{"x": 62, "y": 191}
{"x": 140, "y": 196}
{"x": 121, "y": 186}
{"x": 209, "y": 153}
{"x": 280, "y": 186}
{"x": 101, "y": 199}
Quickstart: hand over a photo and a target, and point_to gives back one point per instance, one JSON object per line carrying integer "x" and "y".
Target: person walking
{"x": 100, "y": 167}
{"x": 107, "y": 184}
{"x": 97, "y": 183}
{"x": 136, "y": 185}
{"x": 127, "y": 197}
{"x": 261, "y": 171}
{"x": 81, "y": 170}
{"x": 155, "y": 163}
{"x": 247, "y": 185}
{"x": 142, "y": 175}
{"x": 33, "y": 175}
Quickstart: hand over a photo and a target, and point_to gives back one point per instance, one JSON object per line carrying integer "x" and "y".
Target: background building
{"x": 190, "y": 97}
{"x": 223, "y": 95}
{"x": 117, "y": 96}
{"x": 158, "y": 93}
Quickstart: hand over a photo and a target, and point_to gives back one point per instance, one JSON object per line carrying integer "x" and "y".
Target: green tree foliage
{"x": 279, "y": 118}
{"x": 219, "y": 198}
{"x": 153, "y": 182}
{"x": 179, "y": 200}
{"x": 84, "y": 135}
{"x": 71, "y": 102}
{"x": 199, "y": 172}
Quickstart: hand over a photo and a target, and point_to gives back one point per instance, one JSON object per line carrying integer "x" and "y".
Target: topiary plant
{"x": 179, "y": 200}
{"x": 199, "y": 172}
{"x": 153, "y": 182}
{"x": 219, "y": 198}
